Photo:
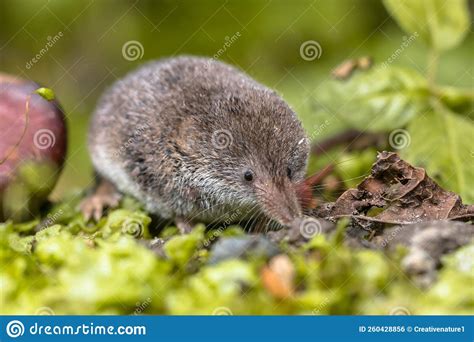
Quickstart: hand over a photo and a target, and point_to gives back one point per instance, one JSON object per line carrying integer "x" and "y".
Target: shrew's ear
{"x": 299, "y": 159}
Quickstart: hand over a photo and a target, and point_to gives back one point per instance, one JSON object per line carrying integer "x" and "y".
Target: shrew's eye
{"x": 248, "y": 175}
{"x": 289, "y": 173}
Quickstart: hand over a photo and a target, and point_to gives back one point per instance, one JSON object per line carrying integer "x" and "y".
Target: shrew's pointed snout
{"x": 281, "y": 204}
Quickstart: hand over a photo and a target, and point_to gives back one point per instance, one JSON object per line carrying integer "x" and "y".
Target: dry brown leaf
{"x": 402, "y": 194}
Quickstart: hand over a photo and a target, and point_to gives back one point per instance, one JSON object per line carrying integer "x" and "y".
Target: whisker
{"x": 250, "y": 221}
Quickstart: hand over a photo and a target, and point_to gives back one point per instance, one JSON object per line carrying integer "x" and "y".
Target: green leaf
{"x": 45, "y": 93}
{"x": 379, "y": 100}
{"x": 442, "y": 24}
{"x": 441, "y": 142}
{"x": 457, "y": 99}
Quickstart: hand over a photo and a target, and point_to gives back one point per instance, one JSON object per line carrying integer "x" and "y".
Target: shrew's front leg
{"x": 105, "y": 195}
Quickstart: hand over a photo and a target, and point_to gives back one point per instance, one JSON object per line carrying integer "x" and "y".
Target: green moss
{"x": 78, "y": 268}
{"x": 180, "y": 248}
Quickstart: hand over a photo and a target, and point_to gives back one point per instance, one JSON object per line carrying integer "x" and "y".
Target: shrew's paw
{"x": 104, "y": 196}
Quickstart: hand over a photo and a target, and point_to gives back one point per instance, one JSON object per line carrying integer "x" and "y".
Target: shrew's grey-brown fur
{"x": 183, "y": 134}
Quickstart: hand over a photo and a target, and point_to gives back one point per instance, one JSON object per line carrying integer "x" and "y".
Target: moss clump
{"x": 71, "y": 267}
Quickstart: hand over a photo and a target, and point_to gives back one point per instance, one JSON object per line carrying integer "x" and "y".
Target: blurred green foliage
{"x": 409, "y": 106}
{"x": 87, "y": 57}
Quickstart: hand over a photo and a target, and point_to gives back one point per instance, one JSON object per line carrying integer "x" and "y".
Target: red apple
{"x": 33, "y": 140}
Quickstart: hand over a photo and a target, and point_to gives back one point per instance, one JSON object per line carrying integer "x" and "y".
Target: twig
{"x": 27, "y": 117}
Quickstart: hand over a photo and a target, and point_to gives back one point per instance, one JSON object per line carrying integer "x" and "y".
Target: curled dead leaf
{"x": 398, "y": 193}
{"x": 347, "y": 68}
